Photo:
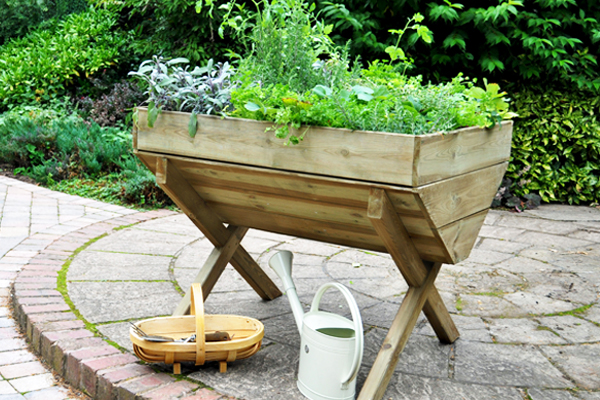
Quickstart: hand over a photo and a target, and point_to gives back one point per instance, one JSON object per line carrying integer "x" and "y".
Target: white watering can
{"x": 331, "y": 346}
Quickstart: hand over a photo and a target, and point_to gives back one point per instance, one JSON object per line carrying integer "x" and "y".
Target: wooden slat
{"x": 459, "y": 237}
{"x": 458, "y": 197}
{"x": 297, "y": 185}
{"x": 459, "y": 152}
{"x": 375, "y": 156}
{"x": 430, "y": 248}
{"x": 274, "y": 206}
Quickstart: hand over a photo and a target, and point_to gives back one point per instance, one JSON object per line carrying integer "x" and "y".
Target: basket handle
{"x": 197, "y": 309}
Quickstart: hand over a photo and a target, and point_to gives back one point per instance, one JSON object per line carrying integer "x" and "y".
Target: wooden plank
{"x": 275, "y": 206}
{"x": 458, "y": 197}
{"x": 437, "y": 314}
{"x": 298, "y": 185}
{"x": 375, "y": 156}
{"x": 213, "y": 267}
{"x": 465, "y": 150}
{"x": 182, "y": 193}
{"x": 430, "y": 248}
{"x": 397, "y": 337}
{"x": 396, "y": 239}
{"x": 459, "y": 236}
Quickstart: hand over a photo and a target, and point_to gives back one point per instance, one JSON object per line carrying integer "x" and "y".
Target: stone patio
{"x": 525, "y": 303}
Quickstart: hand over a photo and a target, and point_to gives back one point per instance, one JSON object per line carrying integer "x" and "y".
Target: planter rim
{"x": 434, "y": 134}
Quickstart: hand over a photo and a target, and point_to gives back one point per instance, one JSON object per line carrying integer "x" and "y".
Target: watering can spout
{"x": 281, "y": 262}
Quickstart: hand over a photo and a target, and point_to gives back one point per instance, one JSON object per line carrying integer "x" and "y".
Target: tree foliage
{"x": 556, "y": 40}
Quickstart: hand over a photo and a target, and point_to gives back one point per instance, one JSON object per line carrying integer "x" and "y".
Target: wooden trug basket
{"x": 246, "y": 337}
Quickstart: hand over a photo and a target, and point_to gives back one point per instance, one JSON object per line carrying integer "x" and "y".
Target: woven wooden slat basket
{"x": 246, "y": 336}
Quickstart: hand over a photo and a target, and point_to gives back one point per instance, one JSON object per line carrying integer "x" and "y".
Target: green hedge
{"x": 42, "y": 65}
{"x": 501, "y": 39}
{"x": 19, "y": 16}
{"x": 556, "y": 145}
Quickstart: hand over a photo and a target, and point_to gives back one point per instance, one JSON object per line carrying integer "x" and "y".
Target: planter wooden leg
{"x": 169, "y": 178}
{"x": 213, "y": 267}
{"x": 421, "y": 295}
{"x": 397, "y": 337}
{"x": 437, "y": 314}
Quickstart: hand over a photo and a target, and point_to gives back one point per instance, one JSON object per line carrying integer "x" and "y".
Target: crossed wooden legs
{"x": 421, "y": 295}
{"x": 420, "y": 276}
{"x": 226, "y": 240}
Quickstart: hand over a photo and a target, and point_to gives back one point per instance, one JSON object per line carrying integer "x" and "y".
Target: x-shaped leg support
{"x": 421, "y": 295}
{"x": 226, "y": 240}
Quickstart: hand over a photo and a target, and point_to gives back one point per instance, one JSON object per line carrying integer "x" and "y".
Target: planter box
{"x": 441, "y": 186}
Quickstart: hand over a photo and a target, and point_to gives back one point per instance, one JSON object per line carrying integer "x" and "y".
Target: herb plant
{"x": 293, "y": 75}
{"x": 169, "y": 86}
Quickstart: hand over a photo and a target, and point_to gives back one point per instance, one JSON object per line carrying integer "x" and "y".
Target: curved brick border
{"x": 85, "y": 361}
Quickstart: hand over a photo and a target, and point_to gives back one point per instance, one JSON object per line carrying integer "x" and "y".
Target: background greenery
{"x": 64, "y": 64}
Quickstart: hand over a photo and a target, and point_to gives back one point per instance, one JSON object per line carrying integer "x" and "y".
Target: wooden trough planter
{"x": 422, "y": 199}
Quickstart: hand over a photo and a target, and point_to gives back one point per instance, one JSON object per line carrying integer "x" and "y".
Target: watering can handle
{"x": 356, "y": 318}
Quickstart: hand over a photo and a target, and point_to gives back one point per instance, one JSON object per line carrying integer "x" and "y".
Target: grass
{"x": 459, "y": 304}
{"x": 109, "y": 189}
{"x": 495, "y": 293}
{"x": 545, "y": 328}
{"x": 61, "y": 286}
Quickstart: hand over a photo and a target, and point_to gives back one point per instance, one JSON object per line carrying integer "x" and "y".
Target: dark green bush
{"x": 174, "y": 28}
{"x": 69, "y": 148}
{"x": 44, "y": 64}
{"x": 19, "y": 16}
{"x": 556, "y": 144}
{"x": 504, "y": 39}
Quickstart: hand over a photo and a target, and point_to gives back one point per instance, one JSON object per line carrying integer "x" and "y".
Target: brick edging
{"x": 85, "y": 361}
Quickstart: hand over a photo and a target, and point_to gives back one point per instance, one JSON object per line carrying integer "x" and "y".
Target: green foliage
{"x": 169, "y": 86}
{"x": 42, "y": 65}
{"x": 91, "y": 159}
{"x": 544, "y": 40}
{"x": 556, "y": 145}
{"x": 295, "y": 76}
{"x": 20, "y": 16}
{"x": 290, "y": 46}
{"x": 173, "y": 28}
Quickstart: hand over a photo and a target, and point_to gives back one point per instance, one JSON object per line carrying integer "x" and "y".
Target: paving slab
{"x": 117, "y": 301}
{"x": 580, "y": 363}
{"x": 146, "y": 242}
{"x": 523, "y": 331}
{"x": 559, "y": 212}
{"x": 572, "y": 329}
{"x": 541, "y": 394}
{"x": 502, "y": 365}
{"x": 100, "y": 265}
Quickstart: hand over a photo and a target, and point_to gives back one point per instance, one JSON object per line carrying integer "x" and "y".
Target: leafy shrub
{"x": 112, "y": 108}
{"x": 19, "y": 16}
{"x": 72, "y": 150}
{"x": 204, "y": 90}
{"x": 41, "y": 66}
{"x": 174, "y": 28}
{"x": 555, "y": 40}
{"x": 556, "y": 145}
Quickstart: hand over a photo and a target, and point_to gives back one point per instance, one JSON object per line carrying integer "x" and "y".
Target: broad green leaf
{"x": 322, "y": 91}
{"x": 252, "y": 106}
{"x": 193, "y": 125}
{"x": 152, "y": 114}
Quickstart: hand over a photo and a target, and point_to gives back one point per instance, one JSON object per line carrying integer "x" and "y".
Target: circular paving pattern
{"x": 525, "y": 304}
